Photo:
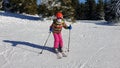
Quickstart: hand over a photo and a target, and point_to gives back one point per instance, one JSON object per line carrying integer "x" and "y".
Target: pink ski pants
{"x": 58, "y": 41}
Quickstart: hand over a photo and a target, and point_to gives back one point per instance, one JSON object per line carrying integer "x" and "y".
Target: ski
{"x": 63, "y": 54}
{"x": 60, "y": 53}
{"x": 59, "y": 56}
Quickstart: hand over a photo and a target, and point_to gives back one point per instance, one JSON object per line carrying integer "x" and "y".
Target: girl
{"x": 56, "y": 28}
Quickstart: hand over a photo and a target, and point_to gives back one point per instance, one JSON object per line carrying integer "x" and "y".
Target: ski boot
{"x": 58, "y": 53}
{"x": 62, "y": 52}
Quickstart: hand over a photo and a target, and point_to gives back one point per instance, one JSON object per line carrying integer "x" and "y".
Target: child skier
{"x": 56, "y": 28}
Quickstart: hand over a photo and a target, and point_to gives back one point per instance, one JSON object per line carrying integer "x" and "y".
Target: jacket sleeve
{"x": 64, "y": 25}
{"x": 52, "y": 25}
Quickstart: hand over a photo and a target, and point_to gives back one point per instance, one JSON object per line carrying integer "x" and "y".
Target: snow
{"x": 93, "y": 44}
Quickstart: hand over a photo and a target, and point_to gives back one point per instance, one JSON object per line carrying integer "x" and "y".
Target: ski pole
{"x": 45, "y": 43}
{"x": 69, "y": 41}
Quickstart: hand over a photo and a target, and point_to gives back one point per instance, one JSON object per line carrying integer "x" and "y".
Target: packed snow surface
{"x": 93, "y": 44}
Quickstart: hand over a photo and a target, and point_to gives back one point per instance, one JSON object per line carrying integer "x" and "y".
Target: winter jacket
{"x": 57, "y": 28}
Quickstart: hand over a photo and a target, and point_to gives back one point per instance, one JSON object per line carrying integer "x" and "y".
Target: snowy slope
{"x": 93, "y": 44}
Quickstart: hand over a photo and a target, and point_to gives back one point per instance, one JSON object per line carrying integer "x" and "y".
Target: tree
{"x": 75, "y": 5}
{"x": 112, "y": 11}
{"x": 24, "y": 6}
{"x": 16, "y": 5}
{"x": 6, "y": 5}
{"x": 53, "y": 6}
{"x": 100, "y": 9}
{"x": 81, "y": 11}
{"x": 68, "y": 8}
{"x": 46, "y": 8}
{"x": 1, "y": 4}
{"x": 42, "y": 10}
{"x": 90, "y": 9}
{"x": 30, "y": 6}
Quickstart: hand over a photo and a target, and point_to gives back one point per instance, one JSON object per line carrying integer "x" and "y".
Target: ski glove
{"x": 69, "y": 27}
{"x": 51, "y": 30}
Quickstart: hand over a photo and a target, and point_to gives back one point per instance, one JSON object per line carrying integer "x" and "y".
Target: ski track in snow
{"x": 86, "y": 47}
{"x": 6, "y": 57}
{"x": 92, "y": 57}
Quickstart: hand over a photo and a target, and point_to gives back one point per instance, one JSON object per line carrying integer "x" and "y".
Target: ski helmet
{"x": 59, "y": 15}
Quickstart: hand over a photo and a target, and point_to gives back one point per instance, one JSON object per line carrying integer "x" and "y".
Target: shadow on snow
{"x": 15, "y": 43}
{"x": 106, "y": 24}
{"x": 19, "y": 16}
{"x": 99, "y": 22}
